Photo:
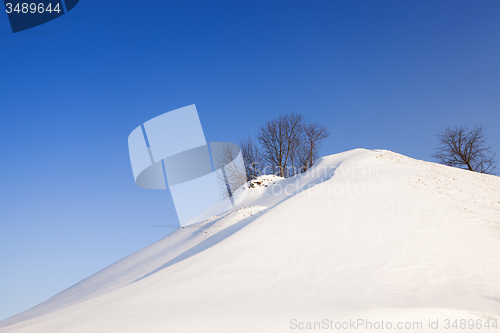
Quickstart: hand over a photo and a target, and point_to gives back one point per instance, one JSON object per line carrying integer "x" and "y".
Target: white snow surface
{"x": 364, "y": 234}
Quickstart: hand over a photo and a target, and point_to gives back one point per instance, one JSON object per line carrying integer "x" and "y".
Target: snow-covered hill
{"x": 364, "y": 236}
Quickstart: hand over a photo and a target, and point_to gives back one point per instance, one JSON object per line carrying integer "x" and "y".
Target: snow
{"x": 364, "y": 235}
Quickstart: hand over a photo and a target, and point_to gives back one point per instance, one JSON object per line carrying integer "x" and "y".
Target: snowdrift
{"x": 363, "y": 236}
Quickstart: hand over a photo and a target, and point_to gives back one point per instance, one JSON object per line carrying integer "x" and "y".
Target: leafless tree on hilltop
{"x": 466, "y": 148}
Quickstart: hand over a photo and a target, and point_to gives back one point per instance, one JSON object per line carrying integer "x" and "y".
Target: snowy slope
{"x": 369, "y": 235}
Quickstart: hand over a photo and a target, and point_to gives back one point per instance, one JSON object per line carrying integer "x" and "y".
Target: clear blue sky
{"x": 379, "y": 74}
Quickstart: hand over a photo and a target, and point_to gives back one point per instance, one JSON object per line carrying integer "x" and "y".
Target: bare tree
{"x": 232, "y": 173}
{"x": 290, "y": 146}
{"x": 314, "y": 135}
{"x": 295, "y": 140}
{"x": 279, "y": 139}
{"x": 465, "y": 148}
{"x": 251, "y": 157}
{"x": 302, "y": 157}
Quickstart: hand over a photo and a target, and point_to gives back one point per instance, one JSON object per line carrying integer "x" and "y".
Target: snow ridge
{"x": 363, "y": 234}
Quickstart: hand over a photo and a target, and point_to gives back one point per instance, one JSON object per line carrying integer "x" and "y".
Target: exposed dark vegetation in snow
{"x": 261, "y": 181}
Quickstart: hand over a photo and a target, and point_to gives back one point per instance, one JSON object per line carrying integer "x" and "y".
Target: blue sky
{"x": 379, "y": 74}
